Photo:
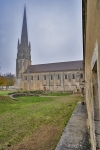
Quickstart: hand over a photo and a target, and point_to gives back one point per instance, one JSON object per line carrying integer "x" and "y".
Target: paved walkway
{"x": 75, "y": 135}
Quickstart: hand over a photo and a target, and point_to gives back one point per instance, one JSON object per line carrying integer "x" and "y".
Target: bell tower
{"x": 23, "y": 50}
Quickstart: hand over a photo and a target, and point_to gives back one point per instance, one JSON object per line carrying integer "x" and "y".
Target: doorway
{"x": 44, "y": 88}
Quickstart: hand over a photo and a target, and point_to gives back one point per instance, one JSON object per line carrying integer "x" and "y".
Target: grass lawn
{"x": 58, "y": 94}
{"x": 4, "y": 92}
{"x": 34, "y": 123}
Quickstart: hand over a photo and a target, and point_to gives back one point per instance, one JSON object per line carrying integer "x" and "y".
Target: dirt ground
{"x": 43, "y": 139}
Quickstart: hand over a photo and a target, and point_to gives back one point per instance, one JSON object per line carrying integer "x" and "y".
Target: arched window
{"x": 58, "y": 77}
{"x": 73, "y": 76}
{"x": 81, "y": 75}
{"x": 37, "y": 77}
{"x": 51, "y": 77}
{"x": 65, "y": 76}
{"x": 31, "y": 77}
{"x": 44, "y": 77}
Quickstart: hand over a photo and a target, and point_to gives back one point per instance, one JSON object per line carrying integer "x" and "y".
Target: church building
{"x": 61, "y": 76}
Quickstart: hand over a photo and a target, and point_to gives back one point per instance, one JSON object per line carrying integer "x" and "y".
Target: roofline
{"x": 55, "y": 63}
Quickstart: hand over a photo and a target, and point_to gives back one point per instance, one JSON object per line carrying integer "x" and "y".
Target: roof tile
{"x": 54, "y": 67}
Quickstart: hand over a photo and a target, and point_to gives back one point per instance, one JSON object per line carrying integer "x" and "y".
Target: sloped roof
{"x": 55, "y": 67}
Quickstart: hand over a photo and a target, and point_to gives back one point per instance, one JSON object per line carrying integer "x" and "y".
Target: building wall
{"x": 92, "y": 69}
{"x": 54, "y": 81}
{"x": 22, "y": 65}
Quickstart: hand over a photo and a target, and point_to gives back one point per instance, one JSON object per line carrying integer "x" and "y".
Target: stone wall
{"x": 91, "y": 18}
{"x": 54, "y": 81}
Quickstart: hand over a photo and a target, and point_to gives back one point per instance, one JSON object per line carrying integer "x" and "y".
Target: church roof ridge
{"x": 58, "y": 62}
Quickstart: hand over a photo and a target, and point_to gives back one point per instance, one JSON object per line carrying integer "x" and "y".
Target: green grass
{"x": 19, "y": 119}
{"x": 4, "y": 93}
{"x": 58, "y": 94}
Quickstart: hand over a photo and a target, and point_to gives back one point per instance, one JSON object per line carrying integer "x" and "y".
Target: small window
{"x": 31, "y": 77}
{"x": 73, "y": 76}
{"x": 65, "y": 76}
{"x": 44, "y": 77}
{"x": 37, "y": 77}
{"x": 25, "y": 77}
{"x": 51, "y": 77}
{"x": 58, "y": 77}
{"x": 81, "y": 75}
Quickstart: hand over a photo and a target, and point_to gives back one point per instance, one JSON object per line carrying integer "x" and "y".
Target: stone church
{"x": 61, "y": 76}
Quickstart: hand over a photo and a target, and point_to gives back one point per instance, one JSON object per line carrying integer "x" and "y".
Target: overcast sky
{"x": 54, "y": 30}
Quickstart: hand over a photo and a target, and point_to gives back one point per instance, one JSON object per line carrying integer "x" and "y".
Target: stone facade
{"x": 91, "y": 50}
{"x": 54, "y": 81}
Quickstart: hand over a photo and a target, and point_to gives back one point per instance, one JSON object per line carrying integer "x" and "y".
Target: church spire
{"x": 24, "y": 35}
{"x": 24, "y": 50}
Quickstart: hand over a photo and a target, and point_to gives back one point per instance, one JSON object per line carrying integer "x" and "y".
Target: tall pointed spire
{"x": 24, "y": 35}
{"x": 24, "y": 50}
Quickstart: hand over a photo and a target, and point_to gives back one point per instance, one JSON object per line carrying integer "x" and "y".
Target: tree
{"x": 7, "y": 80}
{"x": 2, "y": 81}
{"x": 10, "y": 81}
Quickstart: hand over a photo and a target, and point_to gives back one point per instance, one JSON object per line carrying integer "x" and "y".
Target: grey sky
{"x": 54, "y": 30}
